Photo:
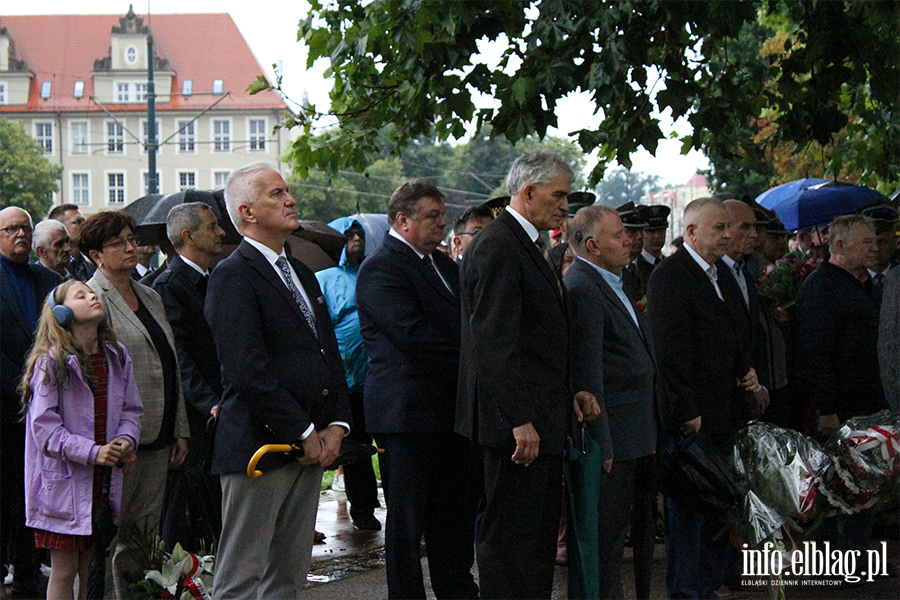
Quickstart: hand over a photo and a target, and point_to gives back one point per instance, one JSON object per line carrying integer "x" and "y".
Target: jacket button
{"x": 325, "y": 392}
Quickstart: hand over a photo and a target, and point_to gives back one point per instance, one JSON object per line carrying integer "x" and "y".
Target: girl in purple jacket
{"x": 82, "y": 413}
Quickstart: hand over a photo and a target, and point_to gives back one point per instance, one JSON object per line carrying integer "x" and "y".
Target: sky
{"x": 270, "y": 28}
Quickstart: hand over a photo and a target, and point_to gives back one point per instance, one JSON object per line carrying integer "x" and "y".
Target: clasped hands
{"x": 527, "y": 439}
{"x": 322, "y": 447}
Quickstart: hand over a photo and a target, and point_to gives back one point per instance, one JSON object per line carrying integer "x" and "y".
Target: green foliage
{"x": 26, "y": 178}
{"x": 621, "y": 185}
{"x": 416, "y": 65}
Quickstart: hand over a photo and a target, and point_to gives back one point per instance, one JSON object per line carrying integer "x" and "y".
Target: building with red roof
{"x": 78, "y": 85}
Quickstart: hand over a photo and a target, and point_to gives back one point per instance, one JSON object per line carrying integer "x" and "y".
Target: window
{"x": 2, "y": 92}
{"x": 81, "y": 188}
{"x": 140, "y": 92}
{"x": 131, "y": 55}
{"x": 43, "y": 135}
{"x": 257, "y": 128}
{"x": 187, "y": 88}
{"x": 186, "y": 179}
{"x": 186, "y": 136}
{"x": 115, "y": 138}
{"x": 80, "y": 142}
{"x": 79, "y": 89}
{"x": 45, "y": 89}
{"x": 123, "y": 92}
{"x": 115, "y": 188}
{"x": 221, "y": 136}
{"x": 145, "y": 128}
{"x": 218, "y": 87}
{"x": 145, "y": 178}
{"x": 219, "y": 178}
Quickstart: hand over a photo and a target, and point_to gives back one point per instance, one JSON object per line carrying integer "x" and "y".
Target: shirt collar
{"x": 705, "y": 266}
{"x": 649, "y": 257}
{"x": 196, "y": 267}
{"x": 730, "y": 262}
{"x": 530, "y": 230}
{"x": 396, "y": 235}
{"x": 613, "y": 279}
{"x": 267, "y": 252}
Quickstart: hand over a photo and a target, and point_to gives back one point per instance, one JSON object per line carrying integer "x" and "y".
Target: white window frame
{"x": 129, "y": 50}
{"x": 107, "y": 189}
{"x": 140, "y": 91}
{"x": 178, "y": 175}
{"x": 42, "y": 140}
{"x": 74, "y": 194}
{"x": 123, "y": 92}
{"x": 185, "y": 138}
{"x": 227, "y": 144}
{"x": 73, "y": 141}
{"x": 4, "y": 87}
{"x": 108, "y": 138}
{"x": 212, "y": 178}
{"x": 260, "y": 137}
{"x": 144, "y": 136}
{"x": 145, "y": 173}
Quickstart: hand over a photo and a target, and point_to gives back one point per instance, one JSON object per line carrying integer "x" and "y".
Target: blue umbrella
{"x": 812, "y": 201}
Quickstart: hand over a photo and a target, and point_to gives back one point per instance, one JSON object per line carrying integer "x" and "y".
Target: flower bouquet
{"x": 781, "y": 282}
{"x": 182, "y": 575}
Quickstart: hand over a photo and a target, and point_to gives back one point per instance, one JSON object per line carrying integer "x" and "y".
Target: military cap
{"x": 655, "y": 215}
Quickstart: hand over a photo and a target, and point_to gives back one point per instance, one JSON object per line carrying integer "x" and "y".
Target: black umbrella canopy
{"x": 151, "y": 212}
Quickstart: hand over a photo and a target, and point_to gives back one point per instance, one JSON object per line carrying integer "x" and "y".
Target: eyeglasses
{"x": 119, "y": 243}
{"x": 15, "y": 229}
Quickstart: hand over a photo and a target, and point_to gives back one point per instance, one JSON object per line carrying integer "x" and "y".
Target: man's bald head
{"x": 706, "y": 228}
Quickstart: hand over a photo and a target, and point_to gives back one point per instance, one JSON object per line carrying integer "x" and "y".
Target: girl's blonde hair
{"x": 51, "y": 336}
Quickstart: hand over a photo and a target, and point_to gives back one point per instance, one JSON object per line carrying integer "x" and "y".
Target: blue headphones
{"x": 62, "y": 313}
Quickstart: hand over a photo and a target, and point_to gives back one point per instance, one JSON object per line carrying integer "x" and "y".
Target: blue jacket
{"x": 339, "y": 288}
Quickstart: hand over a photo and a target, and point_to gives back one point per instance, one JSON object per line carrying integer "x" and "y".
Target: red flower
{"x": 804, "y": 269}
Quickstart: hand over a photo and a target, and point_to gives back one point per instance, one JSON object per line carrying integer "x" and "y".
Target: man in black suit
{"x": 80, "y": 266}
{"x": 657, "y": 218}
{"x": 634, "y": 229}
{"x": 704, "y": 370}
{"x": 613, "y": 359}
{"x": 283, "y": 384}
{"x": 24, "y": 287}
{"x": 408, "y": 300}
{"x": 197, "y": 239}
{"x": 515, "y": 396}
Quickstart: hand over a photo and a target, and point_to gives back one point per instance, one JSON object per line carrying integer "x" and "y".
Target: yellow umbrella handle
{"x": 251, "y": 466}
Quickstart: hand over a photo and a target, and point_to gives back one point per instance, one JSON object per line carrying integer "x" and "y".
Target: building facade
{"x": 677, "y": 198}
{"x": 78, "y": 86}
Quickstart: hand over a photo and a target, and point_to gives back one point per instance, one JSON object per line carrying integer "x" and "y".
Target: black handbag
{"x": 697, "y": 474}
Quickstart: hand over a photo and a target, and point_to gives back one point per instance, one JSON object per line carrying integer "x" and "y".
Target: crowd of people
{"x": 478, "y": 372}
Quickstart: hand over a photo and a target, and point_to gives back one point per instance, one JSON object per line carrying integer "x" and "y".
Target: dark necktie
{"x": 289, "y": 281}
{"x": 878, "y": 280}
{"x": 427, "y": 260}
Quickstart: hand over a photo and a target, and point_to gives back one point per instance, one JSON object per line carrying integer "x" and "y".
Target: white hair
{"x": 240, "y": 189}
{"x": 537, "y": 166}
{"x": 42, "y": 231}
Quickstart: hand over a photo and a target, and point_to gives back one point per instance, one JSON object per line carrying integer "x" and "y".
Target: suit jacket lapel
{"x": 115, "y": 299}
{"x": 419, "y": 265}
{"x": 535, "y": 254}
{"x": 12, "y": 301}
{"x": 610, "y": 294}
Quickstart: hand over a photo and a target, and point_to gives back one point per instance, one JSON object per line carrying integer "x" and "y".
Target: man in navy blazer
{"x": 704, "y": 369}
{"x": 613, "y": 359}
{"x": 24, "y": 287}
{"x": 408, "y": 301}
{"x": 283, "y": 384}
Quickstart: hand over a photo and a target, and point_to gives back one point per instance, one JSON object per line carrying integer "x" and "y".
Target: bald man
{"x": 704, "y": 370}
{"x": 23, "y": 287}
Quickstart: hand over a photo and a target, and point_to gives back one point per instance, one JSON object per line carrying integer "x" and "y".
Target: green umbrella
{"x": 584, "y": 474}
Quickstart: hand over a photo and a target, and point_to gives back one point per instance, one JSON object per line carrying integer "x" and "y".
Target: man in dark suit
{"x": 51, "y": 244}
{"x": 634, "y": 229}
{"x": 197, "y": 239}
{"x": 515, "y": 395}
{"x": 613, "y": 359}
{"x": 24, "y": 287}
{"x": 408, "y": 300}
{"x": 657, "y": 218}
{"x": 283, "y": 384}
{"x": 80, "y": 266}
{"x": 704, "y": 369}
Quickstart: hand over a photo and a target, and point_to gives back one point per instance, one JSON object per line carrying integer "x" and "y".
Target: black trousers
{"x": 517, "y": 536}
{"x": 426, "y": 477}
{"x": 624, "y": 498}
{"x": 359, "y": 476}
{"x": 16, "y": 539}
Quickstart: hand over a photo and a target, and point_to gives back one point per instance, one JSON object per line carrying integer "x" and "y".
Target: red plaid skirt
{"x": 61, "y": 541}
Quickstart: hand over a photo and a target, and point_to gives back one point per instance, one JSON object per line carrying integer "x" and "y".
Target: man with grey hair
{"x": 283, "y": 383}
{"x": 704, "y": 359}
{"x": 515, "y": 397}
{"x": 195, "y": 235}
{"x": 837, "y": 314}
{"x": 51, "y": 243}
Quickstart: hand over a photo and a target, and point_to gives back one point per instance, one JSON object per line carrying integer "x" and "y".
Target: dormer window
{"x": 218, "y": 87}
{"x": 131, "y": 55}
{"x": 45, "y": 89}
{"x": 79, "y": 89}
{"x": 187, "y": 88}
